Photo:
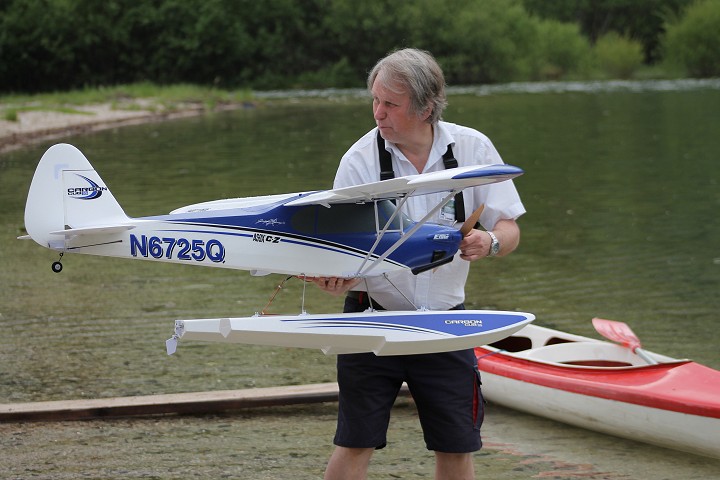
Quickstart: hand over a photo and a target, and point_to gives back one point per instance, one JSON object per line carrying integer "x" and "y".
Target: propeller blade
{"x": 471, "y": 221}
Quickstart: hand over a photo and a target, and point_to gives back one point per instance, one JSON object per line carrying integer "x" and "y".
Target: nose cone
{"x": 445, "y": 242}
{"x": 442, "y": 243}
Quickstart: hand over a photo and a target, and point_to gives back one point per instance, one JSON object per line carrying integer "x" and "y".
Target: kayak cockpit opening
{"x": 519, "y": 343}
{"x": 513, "y": 343}
{"x": 557, "y": 350}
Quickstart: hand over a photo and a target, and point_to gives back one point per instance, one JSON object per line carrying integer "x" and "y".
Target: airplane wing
{"x": 453, "y": 179}
{"x": 421, "y": 184}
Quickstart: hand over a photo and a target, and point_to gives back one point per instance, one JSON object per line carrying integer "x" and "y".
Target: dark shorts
{"x": 444, "y": 386}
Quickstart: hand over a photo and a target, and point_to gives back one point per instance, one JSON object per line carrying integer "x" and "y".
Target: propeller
{"x": 471, "y": 221}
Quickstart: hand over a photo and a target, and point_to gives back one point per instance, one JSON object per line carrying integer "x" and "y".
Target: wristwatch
{"x": 494, "y": 246}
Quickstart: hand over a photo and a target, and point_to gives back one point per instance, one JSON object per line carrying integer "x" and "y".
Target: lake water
{"x": 621, "y": 188}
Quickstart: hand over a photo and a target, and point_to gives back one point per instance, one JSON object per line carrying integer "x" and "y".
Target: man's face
{"x": 393, "y": 116}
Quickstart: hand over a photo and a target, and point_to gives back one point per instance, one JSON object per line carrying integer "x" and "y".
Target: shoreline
{"x": 34, "y": 126}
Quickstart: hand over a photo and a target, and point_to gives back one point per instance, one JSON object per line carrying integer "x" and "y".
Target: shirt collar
{"x": 441, "y": 139}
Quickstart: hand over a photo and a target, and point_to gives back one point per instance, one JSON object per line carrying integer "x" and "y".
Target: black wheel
{"x": 57, "y": 267}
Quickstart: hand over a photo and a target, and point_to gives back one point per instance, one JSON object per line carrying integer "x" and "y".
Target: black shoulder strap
{"x": 386, "y": 172}
{"x": 450, "y": 162}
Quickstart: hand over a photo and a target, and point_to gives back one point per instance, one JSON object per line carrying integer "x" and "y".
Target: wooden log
{"x": 172, "y": 403}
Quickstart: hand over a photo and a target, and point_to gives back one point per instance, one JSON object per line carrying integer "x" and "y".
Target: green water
{"x": 622, "y": 195}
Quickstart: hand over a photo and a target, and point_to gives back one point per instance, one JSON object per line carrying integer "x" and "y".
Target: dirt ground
{"x": 295, "y": 442}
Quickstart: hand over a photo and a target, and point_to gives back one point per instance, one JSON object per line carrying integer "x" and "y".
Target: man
{"x": 408, "y": 92}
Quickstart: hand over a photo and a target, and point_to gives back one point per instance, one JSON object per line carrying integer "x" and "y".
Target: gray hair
{"x": 417, "y": 73}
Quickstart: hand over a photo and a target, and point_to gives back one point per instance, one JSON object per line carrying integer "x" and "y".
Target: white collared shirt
{"x": 444, "y": 287}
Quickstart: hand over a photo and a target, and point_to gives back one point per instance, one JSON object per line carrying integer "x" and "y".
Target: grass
{"x": 144, "y": 95}
{"x": 11, "y": 114}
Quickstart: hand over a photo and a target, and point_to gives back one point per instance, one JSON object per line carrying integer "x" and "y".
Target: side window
{"x": 386, "y": 209}
{"x": 344, "y": 218}
{"x": 303, "y": 220}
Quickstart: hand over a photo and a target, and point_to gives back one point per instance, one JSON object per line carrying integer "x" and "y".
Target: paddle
{"x": 620, "y": 332}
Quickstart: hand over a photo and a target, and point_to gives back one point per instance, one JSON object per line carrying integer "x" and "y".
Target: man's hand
{"x": 334, "y": 285}
{"x": 476, "y": 244}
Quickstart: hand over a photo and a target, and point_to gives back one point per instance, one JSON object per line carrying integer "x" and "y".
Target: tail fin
{"x": 67, "y": 193}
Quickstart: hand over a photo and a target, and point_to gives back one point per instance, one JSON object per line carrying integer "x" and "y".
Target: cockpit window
{"x": 345, "y": 218}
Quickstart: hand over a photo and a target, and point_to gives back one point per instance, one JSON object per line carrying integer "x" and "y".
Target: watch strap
{"x": 494, "y": 246}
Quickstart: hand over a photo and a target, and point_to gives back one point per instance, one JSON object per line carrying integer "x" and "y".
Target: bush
{"x": 561, "y": 49}
{"x": 618, "y": 57}
{"x": 694, "y": 42}
{"x": 480, "y": 41}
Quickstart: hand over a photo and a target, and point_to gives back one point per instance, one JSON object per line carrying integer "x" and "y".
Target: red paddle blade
{"x": 617, "y": 331}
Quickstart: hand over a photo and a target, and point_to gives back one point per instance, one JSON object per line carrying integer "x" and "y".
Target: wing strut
{"x": 382, "y": 232}
{"x": 407, "y": 235}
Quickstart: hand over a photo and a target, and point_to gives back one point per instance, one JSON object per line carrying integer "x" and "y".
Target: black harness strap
{"x": 386, "y": 172}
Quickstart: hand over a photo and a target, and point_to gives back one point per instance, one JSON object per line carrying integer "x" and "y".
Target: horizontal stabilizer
{"x": 94, "y": 230}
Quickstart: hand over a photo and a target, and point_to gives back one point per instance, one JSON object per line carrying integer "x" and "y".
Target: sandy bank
{"x": 39, "y": 125}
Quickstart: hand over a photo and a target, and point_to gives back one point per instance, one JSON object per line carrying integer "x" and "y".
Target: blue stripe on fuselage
{"x": 288, "y": 238}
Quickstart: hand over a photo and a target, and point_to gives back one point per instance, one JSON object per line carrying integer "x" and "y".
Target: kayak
{"x": 611, "y": 388}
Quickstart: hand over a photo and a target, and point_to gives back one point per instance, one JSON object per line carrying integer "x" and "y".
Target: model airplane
{"x": 347, "y": 232}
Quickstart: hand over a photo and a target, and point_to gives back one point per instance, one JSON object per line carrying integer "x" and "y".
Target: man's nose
{"x": 379, "y": 112}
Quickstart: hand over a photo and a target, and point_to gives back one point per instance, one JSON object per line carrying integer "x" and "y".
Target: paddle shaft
{"x": 644, "y": 355}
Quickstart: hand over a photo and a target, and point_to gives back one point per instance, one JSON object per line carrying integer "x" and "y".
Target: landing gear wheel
{"x": 57, "y": 266}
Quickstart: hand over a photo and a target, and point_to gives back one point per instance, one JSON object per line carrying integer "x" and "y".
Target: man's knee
{"x": 454, "y": 466}
{"x": 348, "y": 463}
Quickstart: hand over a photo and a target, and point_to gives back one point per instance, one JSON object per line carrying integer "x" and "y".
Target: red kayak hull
{"x": 682, "y": 386}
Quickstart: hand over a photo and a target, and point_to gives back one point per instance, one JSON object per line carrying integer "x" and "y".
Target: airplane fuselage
{"x": 311, "y": 240}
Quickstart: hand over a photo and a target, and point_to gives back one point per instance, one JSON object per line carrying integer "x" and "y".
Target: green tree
{"x": 561, "y": 49}
{"x": 362, "y": 32}
{"x": 33, "y": 42}
{"x": 617, "y": 56}
{"x": 694, "y": 41}
{"x": 481, "y": 41}
{"x": 642, "y": 20}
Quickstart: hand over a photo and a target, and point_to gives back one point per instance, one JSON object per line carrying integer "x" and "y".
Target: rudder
{"x": 66, "y": 192}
